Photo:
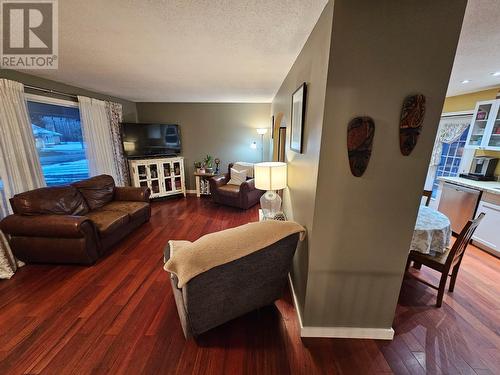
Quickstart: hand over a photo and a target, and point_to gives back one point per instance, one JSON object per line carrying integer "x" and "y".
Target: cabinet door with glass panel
{"x": 483, "y": 123}
{"x": 479, "y": 125}
{"x": 173, "y": 176}
{"x": 492, "y": 141}
{"x": 148, "y": 175}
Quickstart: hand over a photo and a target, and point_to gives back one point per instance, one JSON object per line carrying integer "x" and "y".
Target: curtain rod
{"x": 50, "y": 91}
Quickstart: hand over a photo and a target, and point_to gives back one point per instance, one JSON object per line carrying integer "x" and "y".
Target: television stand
{"x": 163, "y": 175}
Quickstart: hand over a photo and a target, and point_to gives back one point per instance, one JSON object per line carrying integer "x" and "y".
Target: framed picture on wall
{"x": 297, "y": 118}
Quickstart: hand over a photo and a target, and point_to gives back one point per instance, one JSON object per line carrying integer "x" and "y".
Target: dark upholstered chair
{"x": 446, "y": 262}
{"x": 235, "y": 288}
{"x": 243, "y": 196}
{"x": 428, "y": 195}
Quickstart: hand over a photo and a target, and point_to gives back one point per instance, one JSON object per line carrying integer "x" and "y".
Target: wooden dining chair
{"x": 428, "y": 195}
{"x": 449, "y": 260}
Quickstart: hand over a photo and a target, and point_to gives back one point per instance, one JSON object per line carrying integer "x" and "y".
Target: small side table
{"x": 261, "y": 216}
{"x": 202, "y": 185}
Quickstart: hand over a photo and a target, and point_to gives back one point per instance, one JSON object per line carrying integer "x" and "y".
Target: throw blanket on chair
{"x": 189, "y": 259}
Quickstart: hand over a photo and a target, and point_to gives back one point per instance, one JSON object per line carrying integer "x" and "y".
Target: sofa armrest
{"x": 64, "y": 226}
{"x": 248, "y": 185}
{"x": 136, "y": 194}
{"x": 219, "y": 181}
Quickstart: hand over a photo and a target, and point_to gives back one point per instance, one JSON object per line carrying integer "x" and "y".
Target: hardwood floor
{"x": 119, "y": 317}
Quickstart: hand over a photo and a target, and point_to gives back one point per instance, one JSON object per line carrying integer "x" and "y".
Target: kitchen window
{"x": 58, "y": 139}
{"x": 451, "y": 156}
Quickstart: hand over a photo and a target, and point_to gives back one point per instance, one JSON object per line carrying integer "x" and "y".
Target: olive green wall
{"x": 311, "y": 66}
{"x": 129, "y": 108}
{"x": 365, "y": 225}
{"x": 223, "y": 130}
{"x": 359, "y": 229}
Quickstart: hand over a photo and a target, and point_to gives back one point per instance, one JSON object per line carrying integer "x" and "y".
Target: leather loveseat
{"x": 76, "y": 223}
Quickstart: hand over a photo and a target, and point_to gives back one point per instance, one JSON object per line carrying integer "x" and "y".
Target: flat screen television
{"x": 148, "y": 140}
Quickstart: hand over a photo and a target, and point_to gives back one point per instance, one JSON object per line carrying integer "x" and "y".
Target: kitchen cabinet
{"x": 484, "y": 132}
{"x": 487, "y": 235}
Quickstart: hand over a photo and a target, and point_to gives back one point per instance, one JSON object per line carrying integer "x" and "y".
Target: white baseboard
{"x": 190, "y": 191}
{"x": 348, "y": 332}
{"x": 295, "y": 304}
{"x": 339, "y": 332}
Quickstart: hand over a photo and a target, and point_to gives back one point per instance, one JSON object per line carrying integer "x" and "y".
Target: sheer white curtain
{"x": 96, "y": 132}
{"x": 20, "y": 168}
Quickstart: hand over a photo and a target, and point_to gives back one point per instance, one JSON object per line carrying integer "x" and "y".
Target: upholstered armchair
{"x": 232, "y": 287}
{"x": 243, "y": 196}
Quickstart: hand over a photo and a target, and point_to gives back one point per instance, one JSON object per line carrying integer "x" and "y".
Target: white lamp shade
{"x": 270, "y": 175}
{"x": 261, "y": 131}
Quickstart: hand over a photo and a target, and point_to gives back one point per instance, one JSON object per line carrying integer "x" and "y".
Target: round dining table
{"x": 432, "y": 233}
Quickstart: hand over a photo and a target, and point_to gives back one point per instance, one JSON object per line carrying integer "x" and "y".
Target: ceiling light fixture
{"x": 465, "y": 81}
{"x": 495, "y": 74}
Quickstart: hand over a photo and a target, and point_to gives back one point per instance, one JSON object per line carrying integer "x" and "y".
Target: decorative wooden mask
{"x": 410, "y": 125}
{"x": 360, "y": 132}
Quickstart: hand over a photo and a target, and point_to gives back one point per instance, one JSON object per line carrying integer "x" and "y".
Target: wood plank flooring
{"x": 119, "y": 317}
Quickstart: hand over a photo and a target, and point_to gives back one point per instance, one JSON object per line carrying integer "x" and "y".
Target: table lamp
{"x": 270, "y": 176}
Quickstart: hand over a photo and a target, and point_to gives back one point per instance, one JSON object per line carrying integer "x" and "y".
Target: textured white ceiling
{"x": 182, "y": 50}
{"x": 478, "y": 53}
{"x": 221, "y": 50}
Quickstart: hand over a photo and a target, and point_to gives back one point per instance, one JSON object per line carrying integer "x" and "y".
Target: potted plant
{"x": 197, "y": 166}
{"x": 208, "y": 164}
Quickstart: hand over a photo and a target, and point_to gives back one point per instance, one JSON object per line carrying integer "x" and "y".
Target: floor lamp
{"x": 261, "y": 132}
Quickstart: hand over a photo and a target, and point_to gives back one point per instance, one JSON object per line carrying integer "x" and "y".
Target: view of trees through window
{"x": 59, "y": 142}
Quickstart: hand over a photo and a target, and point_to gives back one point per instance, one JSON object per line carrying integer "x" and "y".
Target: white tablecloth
{"x": 432, "y": 232}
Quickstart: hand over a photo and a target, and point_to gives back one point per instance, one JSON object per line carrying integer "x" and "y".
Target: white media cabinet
{"x": 164, "y": 176}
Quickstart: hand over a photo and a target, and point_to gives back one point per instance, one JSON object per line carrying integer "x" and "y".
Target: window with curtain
{"x": 58, "y": 138}
{"x": 3, "y": 201}
{"x": 451, "y": 156}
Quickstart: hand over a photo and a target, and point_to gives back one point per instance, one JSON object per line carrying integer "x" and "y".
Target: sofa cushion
{"x": 134, "y": 209}
{"x": 108, "y": 221}
{"x": 237, "y": 177}
{"x": 243, "y": 166}
{"x": 97, "y": 191}
{"x": 229, "y": 190}
{"x": 62, "y": 200}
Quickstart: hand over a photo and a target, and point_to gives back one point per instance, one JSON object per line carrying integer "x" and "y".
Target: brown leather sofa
{"x": 76, "y": 223}
{"x": 243, "y": 196}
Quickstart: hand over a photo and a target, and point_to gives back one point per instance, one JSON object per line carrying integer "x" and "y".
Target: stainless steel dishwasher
{"x": 459, "y": 203}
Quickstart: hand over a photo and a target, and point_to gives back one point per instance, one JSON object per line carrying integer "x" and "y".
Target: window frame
{"x": 450, "y": 158}
{"x": 50, "y": 100}
{"x": 465, "y": 161}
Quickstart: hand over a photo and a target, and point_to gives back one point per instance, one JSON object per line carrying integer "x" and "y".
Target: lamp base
{"x": 270, "y": 203}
